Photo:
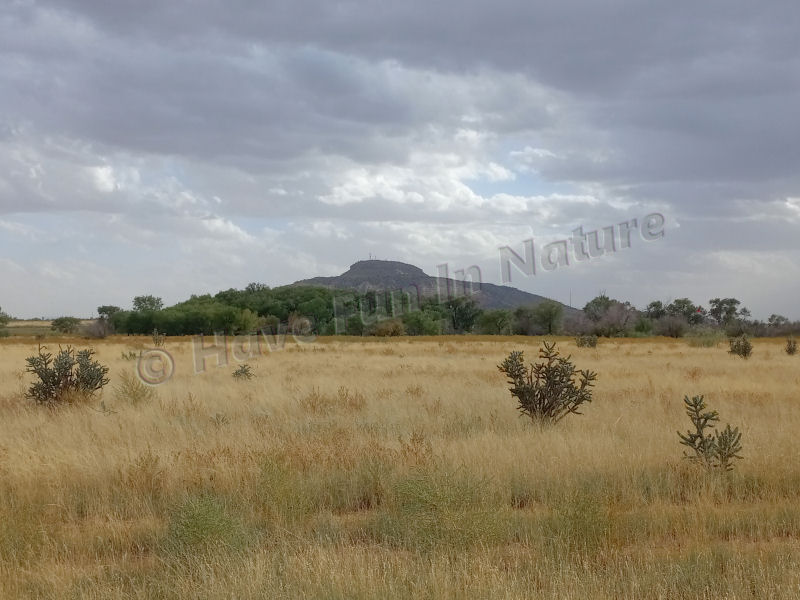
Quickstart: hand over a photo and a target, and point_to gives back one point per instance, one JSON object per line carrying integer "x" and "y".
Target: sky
{"x": 186, "y": 147}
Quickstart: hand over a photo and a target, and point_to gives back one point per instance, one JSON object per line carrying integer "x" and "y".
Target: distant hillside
{"x": 368, "y": 275}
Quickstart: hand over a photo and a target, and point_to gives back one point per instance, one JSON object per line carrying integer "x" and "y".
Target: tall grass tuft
{"x": 132, "y": 390}
{"x": 203, "y": 523}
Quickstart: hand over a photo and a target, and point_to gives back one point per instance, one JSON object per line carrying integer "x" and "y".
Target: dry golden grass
{"x": 400, "y": 469}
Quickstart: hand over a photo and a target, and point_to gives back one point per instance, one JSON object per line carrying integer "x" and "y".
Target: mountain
{"x": 390, "y": 275}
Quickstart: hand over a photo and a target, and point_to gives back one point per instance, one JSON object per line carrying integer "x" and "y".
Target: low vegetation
{"x": 398, "y": 468}
{"x": 586, "y": 341}
{"x": 243, "y": 372}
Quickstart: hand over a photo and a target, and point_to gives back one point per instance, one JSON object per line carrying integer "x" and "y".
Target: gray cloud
{"x": 287, "y": 140}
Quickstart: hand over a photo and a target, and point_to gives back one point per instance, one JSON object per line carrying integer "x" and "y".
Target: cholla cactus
{"x": 741, "y": 346}
{"x": 549, "y": 390}
{"x": 712, "y": 451}
{"x": 65, "y": 378}
{"x": 243, "y": 373}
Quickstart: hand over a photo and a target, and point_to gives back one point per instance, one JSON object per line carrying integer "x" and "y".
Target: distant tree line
{"x": 604, "y": 316}
{"x": 326, "y": 311}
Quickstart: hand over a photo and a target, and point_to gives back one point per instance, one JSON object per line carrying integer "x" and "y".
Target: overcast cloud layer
{"x": 187, "y": 147}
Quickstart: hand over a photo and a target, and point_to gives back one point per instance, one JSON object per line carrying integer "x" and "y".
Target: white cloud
{"x": 103, "y": 178}
{"x": 19, "y": 229}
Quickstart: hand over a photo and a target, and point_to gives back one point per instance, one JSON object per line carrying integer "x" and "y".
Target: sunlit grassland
{"x": 400, "y": 469}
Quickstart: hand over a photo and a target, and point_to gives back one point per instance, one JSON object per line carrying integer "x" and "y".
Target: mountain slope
{"x": 390, "y": 275}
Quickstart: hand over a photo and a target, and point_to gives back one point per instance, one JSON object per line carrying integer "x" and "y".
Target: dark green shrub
{"x": 716, "y": 451}
{"x": 388, "y": 328}
{"x": 791, "y": 346}
{"x": 68, "y": 377}
{"x": 549, "y": 390}
{"x": 741, "y": 346}
{"x": 643, "y": 326}
{"x": 586, "y": 341}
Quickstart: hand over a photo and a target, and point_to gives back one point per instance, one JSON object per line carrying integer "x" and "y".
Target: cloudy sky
{"x": 191, "y": 146}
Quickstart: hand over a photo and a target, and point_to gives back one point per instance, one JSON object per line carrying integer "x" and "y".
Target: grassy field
{"x": 400, "y": 469}
{"x": 29, "y": 328}
{"x": 32, "y": 328}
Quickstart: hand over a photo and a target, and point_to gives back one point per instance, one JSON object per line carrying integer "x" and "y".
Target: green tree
{"x": 548, "y": 315}
{"x": 354, "y": 325}
{"x": 246, "y": 322}
{"x": 609, "y": 317}
{"x": 421, "y": 322}
{"x": 683, "y": 307}
{"x": 495, "y": 322}
{"x": 318, "y": 309}
{"x": 655, "y": 310}
{"x": 255, "y": 288}
{"x": 643, "y": 325}
{"x": 147, "y": 304}
{"x": 777, "y": 320}
{"x": 107, "y": 311}
{"x": 4, "y": 318}
{"x": 524, "y": 321}
{"x": 65, "y": 324}
{"x": 724, "y": 310}
{"x": 463, "y": 313}
{"x": 105, "y": 322}
{"x": 597, "y": 307}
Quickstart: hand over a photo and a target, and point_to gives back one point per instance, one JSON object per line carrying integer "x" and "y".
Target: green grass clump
{"x": 203, "y": 523}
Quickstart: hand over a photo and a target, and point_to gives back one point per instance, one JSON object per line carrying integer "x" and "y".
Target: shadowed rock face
{"x": 375, "y": 274}
{"x": 368, "y": 275}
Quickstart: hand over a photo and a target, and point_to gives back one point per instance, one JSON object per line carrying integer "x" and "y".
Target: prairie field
{"x": 399, "y": 468}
